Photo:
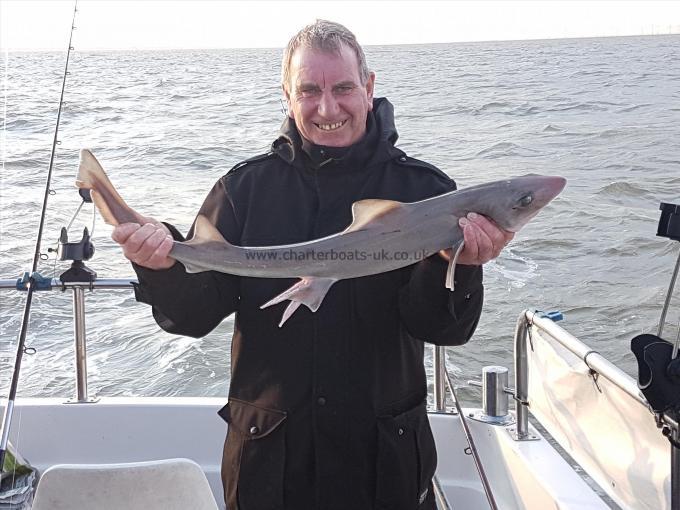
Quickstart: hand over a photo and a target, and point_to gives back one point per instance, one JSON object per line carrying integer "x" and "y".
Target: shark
{"x": 384, "y": 235}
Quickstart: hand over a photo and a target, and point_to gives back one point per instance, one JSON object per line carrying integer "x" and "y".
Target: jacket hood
{"x": 376, "y": 146}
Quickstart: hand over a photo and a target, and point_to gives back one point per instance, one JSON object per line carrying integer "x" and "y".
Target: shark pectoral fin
{"x": 366, "y": 212}
{"x": 309, "y": 291}
{"x": 451, "y": 270}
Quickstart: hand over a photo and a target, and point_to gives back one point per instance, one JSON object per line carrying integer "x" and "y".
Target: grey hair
{"x": 325, "y": 36}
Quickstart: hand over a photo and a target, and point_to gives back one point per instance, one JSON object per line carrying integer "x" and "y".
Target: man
{"x": 327, "y": 412}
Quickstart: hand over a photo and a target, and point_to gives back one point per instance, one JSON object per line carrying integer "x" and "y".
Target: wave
{"x": 552, "y": 129}
{"x": 586, "y": 72}
{"x": 25, "y": 162}
{"x": 622, "y": 188}
{"x": 502, "y": 149}
{"x": 506, "y": 108}
{"x": 609, "y": 133}
{"x": 585, "y": 107}
{"x": 516, "y": 269}
{"x": 634, "y": 107}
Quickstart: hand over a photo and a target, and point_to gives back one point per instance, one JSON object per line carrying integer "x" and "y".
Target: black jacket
{"x": 327, "y": 412}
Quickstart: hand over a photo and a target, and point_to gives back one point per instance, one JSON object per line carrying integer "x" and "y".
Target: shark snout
{"x": 545, "y": 188}
{"x": 533, "y": 193}
{"x": 554, "y": 186}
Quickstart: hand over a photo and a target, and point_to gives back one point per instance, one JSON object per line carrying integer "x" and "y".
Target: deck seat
{"x": 171, "y": 484}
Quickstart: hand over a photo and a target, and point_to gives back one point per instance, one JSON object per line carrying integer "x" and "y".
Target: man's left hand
{"x": 484, "y": 240}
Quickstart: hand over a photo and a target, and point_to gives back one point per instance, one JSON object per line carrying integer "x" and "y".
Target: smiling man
{"x": 329, "y": 94}
{"x": 328, "y": 412}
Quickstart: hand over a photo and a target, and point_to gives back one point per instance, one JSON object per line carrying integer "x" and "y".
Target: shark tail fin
{"x": 309, "y": 291}
{"x": 91, "y": 176}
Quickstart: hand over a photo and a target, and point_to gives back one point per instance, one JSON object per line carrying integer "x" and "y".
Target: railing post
{"x": 675, "y": 469}
{"x": 439, "y": 381}
{"x": 522, "y": 376}
{"x": 80, "y": 343}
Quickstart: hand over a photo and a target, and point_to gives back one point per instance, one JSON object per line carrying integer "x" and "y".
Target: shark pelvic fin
{"x": 309, "y": 291}
{"x": 451, "y": 270}
{"x": 365, "y": 212}
{"x": 205, "y": 232}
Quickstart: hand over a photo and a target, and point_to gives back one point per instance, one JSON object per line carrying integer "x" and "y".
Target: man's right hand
{"x": 146, "y": 245}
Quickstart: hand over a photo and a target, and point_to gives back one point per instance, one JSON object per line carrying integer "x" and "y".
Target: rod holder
{"x": 494, "y": 398}
{"x": 494, "y": 386}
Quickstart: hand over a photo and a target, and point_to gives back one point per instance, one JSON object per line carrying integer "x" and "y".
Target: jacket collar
{"x": 375, "y": 147}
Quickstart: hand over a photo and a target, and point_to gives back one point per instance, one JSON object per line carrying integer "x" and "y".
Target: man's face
{"x": 325, "y": 96}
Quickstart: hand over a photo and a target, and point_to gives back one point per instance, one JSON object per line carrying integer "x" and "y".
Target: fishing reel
{"x": 77, "y": 251}
{"x": 658, "y": 360}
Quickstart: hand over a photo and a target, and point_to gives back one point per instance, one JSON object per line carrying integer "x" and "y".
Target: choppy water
{"x": 604, "y": 113}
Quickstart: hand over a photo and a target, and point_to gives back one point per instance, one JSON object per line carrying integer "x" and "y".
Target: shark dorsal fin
{"x": 204, "y": 232}
{"x": 371, "y": 210}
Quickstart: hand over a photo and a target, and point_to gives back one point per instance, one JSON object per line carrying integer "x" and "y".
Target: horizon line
{"x": 211, "y": 48}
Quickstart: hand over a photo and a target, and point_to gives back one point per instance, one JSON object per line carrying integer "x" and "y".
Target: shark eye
{"x": 525, "y": 200}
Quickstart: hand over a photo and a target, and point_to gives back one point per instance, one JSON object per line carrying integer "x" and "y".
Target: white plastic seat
{"x": 172, "y": 484}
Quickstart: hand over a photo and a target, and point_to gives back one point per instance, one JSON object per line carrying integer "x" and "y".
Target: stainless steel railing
{"x": 79, "y": 330}
{"x": 531, "y": 319}
{"x": 441, "y": 377}
{"x": 594, "y": 360}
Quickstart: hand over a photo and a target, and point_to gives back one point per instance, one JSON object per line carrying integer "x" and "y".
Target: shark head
{"x": 518, "y": 200}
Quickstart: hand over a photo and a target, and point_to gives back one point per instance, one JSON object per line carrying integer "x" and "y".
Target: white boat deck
{"x": 117, "y": 430}
{"x": 605, "y": 427}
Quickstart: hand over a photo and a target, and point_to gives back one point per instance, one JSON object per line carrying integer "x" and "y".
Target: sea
{"x": 604, "y": 113}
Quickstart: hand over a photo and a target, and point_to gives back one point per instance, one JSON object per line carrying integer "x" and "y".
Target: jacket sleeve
{"x": 193, "y": 304}
{"x": 433, "y": 313}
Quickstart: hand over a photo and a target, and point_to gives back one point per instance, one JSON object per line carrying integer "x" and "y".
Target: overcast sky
{"x": 128, "y": 24}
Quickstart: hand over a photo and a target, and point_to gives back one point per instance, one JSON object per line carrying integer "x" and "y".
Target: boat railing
{"x": 80, "y": 343}
{"x": 527, "y": 319}
{"x": 599, "y": 366}
{"x": 576, "y": 393}
{"x": 79, "y": 329}
{"x": 532, "y": 327}
{"x": 441, "y": 377}
{"x": 596, "y": 363}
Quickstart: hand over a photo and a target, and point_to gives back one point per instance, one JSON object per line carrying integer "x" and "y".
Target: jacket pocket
{"x": 254, "y": 456}
{"x": 406, "y": 460}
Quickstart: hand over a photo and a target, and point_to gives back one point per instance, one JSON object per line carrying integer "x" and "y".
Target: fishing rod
{"x": 32, "y": 279}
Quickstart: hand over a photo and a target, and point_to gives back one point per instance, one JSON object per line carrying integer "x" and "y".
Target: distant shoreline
{"x": 485, "y": 41}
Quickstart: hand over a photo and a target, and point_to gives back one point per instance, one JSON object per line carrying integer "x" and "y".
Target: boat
{"x": 574, "y": 432}
{"x": 592, "y": 441}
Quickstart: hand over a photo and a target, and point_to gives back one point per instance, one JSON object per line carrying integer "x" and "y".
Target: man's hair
{"x": 325, "y": 36}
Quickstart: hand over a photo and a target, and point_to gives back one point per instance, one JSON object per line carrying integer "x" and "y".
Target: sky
{"x": 157, "y": 24}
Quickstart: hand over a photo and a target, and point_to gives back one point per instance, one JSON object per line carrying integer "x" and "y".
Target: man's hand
{"x": 484, "y": 240}
{"x": 146, "y": 245}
